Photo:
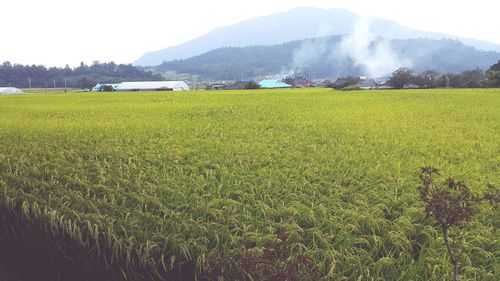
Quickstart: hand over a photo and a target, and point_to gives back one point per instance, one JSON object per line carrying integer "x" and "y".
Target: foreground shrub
{"x": 272, "y": 263}
{"x": 450, "y": 204}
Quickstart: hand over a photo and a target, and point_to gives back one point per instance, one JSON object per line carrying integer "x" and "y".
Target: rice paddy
{"x": 152, "y": 186}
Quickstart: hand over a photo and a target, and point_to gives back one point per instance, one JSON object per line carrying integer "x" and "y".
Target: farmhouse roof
{"x": 343, "y": 80}
{"x": 381, "y": 80}
{"x": 152, "y": 86}
{"x": 367, "y": 84}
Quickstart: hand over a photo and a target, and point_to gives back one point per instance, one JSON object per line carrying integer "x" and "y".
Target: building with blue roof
{"x": 273, "y": 84}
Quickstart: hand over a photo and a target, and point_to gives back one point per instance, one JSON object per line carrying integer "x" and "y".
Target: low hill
{"x": 334, "y": 56}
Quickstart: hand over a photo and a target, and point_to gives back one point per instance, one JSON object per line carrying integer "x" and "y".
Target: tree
{"x": 472, "y": 78}
{"x": 493, "y": 79}
{"x": 252, "y": 85}
{"x": 467, "y": 79}
{"x": 402, "y": 77}
{"x": 427, "y": 79}
{"x": 454, "y": 80}
{"x": 18, "y": 75}
{"x": 443, "y": 81}
{"x": 84, "y": 82}
{"x": 289, "y": 80}
{"x": 495, "y": 67}
{"x": 493, "y": 76}
{"x": 107, "y": 88}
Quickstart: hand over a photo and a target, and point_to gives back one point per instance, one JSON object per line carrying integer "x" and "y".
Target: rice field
{"x": 158, "y": 186}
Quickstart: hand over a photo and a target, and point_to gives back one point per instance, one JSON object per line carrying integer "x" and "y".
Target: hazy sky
{"x": 59, "y": 32}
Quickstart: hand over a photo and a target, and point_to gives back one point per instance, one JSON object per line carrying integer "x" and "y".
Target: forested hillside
{"x": 329, "y": 57}
{"x": 84, "y": 76}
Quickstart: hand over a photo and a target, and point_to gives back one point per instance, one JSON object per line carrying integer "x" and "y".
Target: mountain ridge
{"x": 296, "y": 24}
{"x": 333, "y": 56}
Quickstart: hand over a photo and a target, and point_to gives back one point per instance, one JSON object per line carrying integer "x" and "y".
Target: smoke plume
{"x": 372, "y": 55}
{"x": 375, "y": 55}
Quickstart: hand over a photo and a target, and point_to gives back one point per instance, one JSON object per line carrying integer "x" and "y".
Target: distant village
{"x": 345, "y": 83}
{"x": 403, "y": 78}
{"x": 100, "y": 77}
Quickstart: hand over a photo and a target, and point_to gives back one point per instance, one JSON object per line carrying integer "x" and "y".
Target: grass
{"x": 150, "y": 185}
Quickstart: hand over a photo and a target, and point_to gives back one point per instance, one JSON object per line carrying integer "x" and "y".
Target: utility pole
{"x": 65, "y": 90}
{"x": 54, "y": 83}
{"x": 29, "y": 81}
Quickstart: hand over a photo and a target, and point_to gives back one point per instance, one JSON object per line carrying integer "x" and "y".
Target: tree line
{"x": 83, "y": 76}
{"x": 405, "y": 77}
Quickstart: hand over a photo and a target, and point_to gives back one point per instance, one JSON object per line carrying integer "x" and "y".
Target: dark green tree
{"x": 401, "y": 77}
{"x": 472, "y": 78}
{"x": 289, "y": 80}
{"x": 442, "y": 81}
{"x": 252, "y": 85}
{"x": 495, "y": 67}
{"x": 493, "y": 76}
{"x": 83, "y": 76}
{"x": 427, "y": 79}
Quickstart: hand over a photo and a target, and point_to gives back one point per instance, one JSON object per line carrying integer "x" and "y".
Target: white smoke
{"x": 374, "y": 55}
{"x": 308, "y": 54}
{"x": 310, "y": 51}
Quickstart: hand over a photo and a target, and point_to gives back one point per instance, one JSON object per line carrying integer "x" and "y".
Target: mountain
{"x": 334, "y": 56}
{"x": 297, "y": 24}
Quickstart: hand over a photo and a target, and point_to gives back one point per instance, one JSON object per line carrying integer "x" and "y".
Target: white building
{"x": 152, "y": 86}
{"x": 10, "y": 91}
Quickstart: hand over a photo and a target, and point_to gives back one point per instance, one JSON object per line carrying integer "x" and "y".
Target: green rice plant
{"x": 149, "y": 186}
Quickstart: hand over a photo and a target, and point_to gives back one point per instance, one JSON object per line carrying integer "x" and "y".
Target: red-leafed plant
{"x": 451, "y": 203}
{"x": 273, "y": 263}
